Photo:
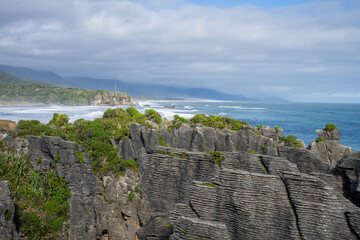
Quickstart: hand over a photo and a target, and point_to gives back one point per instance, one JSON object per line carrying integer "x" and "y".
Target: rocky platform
{"x": 185, "y": 191}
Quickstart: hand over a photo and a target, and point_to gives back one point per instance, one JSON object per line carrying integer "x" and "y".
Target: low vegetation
{"x": 319, "y": 139}
{"x": 290, "y": 141}
{"x": 216, "y": 157}
{"x": 40, "y": 198}
{"x": 330, "y": 127}
{"x": 218, "y": 122}
{"x": 94, "y": 136}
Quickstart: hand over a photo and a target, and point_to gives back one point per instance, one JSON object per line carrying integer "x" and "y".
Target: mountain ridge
{"x": 134, "y": 89}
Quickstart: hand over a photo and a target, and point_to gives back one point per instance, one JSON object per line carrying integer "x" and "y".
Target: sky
{"x": 301, "y": 50}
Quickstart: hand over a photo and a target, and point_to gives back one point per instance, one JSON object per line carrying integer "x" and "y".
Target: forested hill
{"x": 19, "y": 90}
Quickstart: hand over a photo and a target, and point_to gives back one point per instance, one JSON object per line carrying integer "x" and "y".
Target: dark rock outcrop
{"x": 99, "y": 207}
{"x": 329, "y": 149}
{"x": 7, "y": 210}
{"x": 185, "y": 191}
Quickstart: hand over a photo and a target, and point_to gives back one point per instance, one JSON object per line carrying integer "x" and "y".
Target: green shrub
{"x": 216, "y": 157}
{"x": 177, "y": 118}
{"x": 259, "y": 127}
{"x": 80, "y": 156}
{"x": 131, "y": 197}
{"x": 330, "y": 127}
{"x": 41, "y": 199}
{"x": 134, "y": 113}
{"x": 59, "y": 120}
{"x": 34, "y": 127}
{"x": 198, "y": 118}
{"x": 319, "y": 139}
{"x": 252, "y": 152}
{"x": 218, "y": 122}
{"x": 290, "y": 141}
{"x": 162, "y": 142}
{"x": 277, "y": 128}
{"x": 264, "y": 147}
{"x": 151, "y": 114}
{"x": 8, "y": 215}
{"x": 256, "y": 132}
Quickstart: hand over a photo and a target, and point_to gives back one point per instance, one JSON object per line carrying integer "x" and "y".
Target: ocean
{"x": 299, "y": 119}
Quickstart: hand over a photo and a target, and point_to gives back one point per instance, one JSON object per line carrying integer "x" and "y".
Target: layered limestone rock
{"x": 112, "y": 98}
{"x": 7, "y": 210}
{"x": 186, "y": 191}
{"x": 329, "y": 148}
{"x": 201, "y": 139}
{"x": 99, "y": 207}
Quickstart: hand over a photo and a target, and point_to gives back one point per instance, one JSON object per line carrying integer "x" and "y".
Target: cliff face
{"x": 185, "y": 190}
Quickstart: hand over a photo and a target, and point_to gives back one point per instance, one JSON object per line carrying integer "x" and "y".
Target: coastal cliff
{"x": 195, "y": 180}
{"x": 14, "y": 90}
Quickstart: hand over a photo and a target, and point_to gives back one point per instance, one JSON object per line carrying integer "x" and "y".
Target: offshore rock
{"x": 330, "y": 149}
{"x": 108, "y": 98}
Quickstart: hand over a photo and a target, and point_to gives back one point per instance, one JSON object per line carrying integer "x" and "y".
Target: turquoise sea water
{"x": 299, "y": 119}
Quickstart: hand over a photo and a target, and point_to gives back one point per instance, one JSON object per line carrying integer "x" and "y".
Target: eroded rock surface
{"x": 329, "y": 148}
{"x": 7, "y": 210}
{"x": 185, "y": 191}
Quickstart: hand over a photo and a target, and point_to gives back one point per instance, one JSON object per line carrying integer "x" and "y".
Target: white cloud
{"x": 240, "y": 50}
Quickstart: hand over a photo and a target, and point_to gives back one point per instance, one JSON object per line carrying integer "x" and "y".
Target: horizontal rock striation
{"x": 205, "y": 185}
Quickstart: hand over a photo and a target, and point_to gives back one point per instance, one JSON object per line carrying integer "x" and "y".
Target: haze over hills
{"x": 134, "y": 89}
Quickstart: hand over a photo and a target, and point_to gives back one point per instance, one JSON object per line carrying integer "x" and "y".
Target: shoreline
{"x": 21, "y": 104}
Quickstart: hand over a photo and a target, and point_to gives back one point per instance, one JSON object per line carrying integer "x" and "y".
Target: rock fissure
{"x": 293, "y": 207}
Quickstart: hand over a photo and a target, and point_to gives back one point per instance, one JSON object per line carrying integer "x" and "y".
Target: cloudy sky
{"x": 302, "y": 50}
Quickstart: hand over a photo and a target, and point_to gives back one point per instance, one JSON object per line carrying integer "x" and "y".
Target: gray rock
{"x": 127, "y": 151}
{"x": 278, "y": 165}
{"x": 320, "y": 210}
{"x": 157, "y": 228}
{"x": 7, "y": 210}
{"x": 330, "y": 150}
{"x": 184, "y": 138}
{"x": 224, "y": 142}
{"x": 349, "y": 168}
{"x": 194, "y": 228}
{"x": 166, "y": 179}
{"x": 136, "y": 137}
{"x": 306, "y": 160}
{"x": 251, "y": 205}
{"x": 353, "y": 218}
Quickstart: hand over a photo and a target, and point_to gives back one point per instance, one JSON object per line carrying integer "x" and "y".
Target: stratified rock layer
{"x": 185, "y": 191}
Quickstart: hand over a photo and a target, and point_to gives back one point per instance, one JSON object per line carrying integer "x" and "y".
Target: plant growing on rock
{"x": 290, "y": 141}
{"x": 218, "y": 122}
{"x": 216, "y": 157}
{"x": 41, "y": 198}
{"x": 330, "y": 127}
{"x": 151, "y": 114}
{"x": 319, "y": 139}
